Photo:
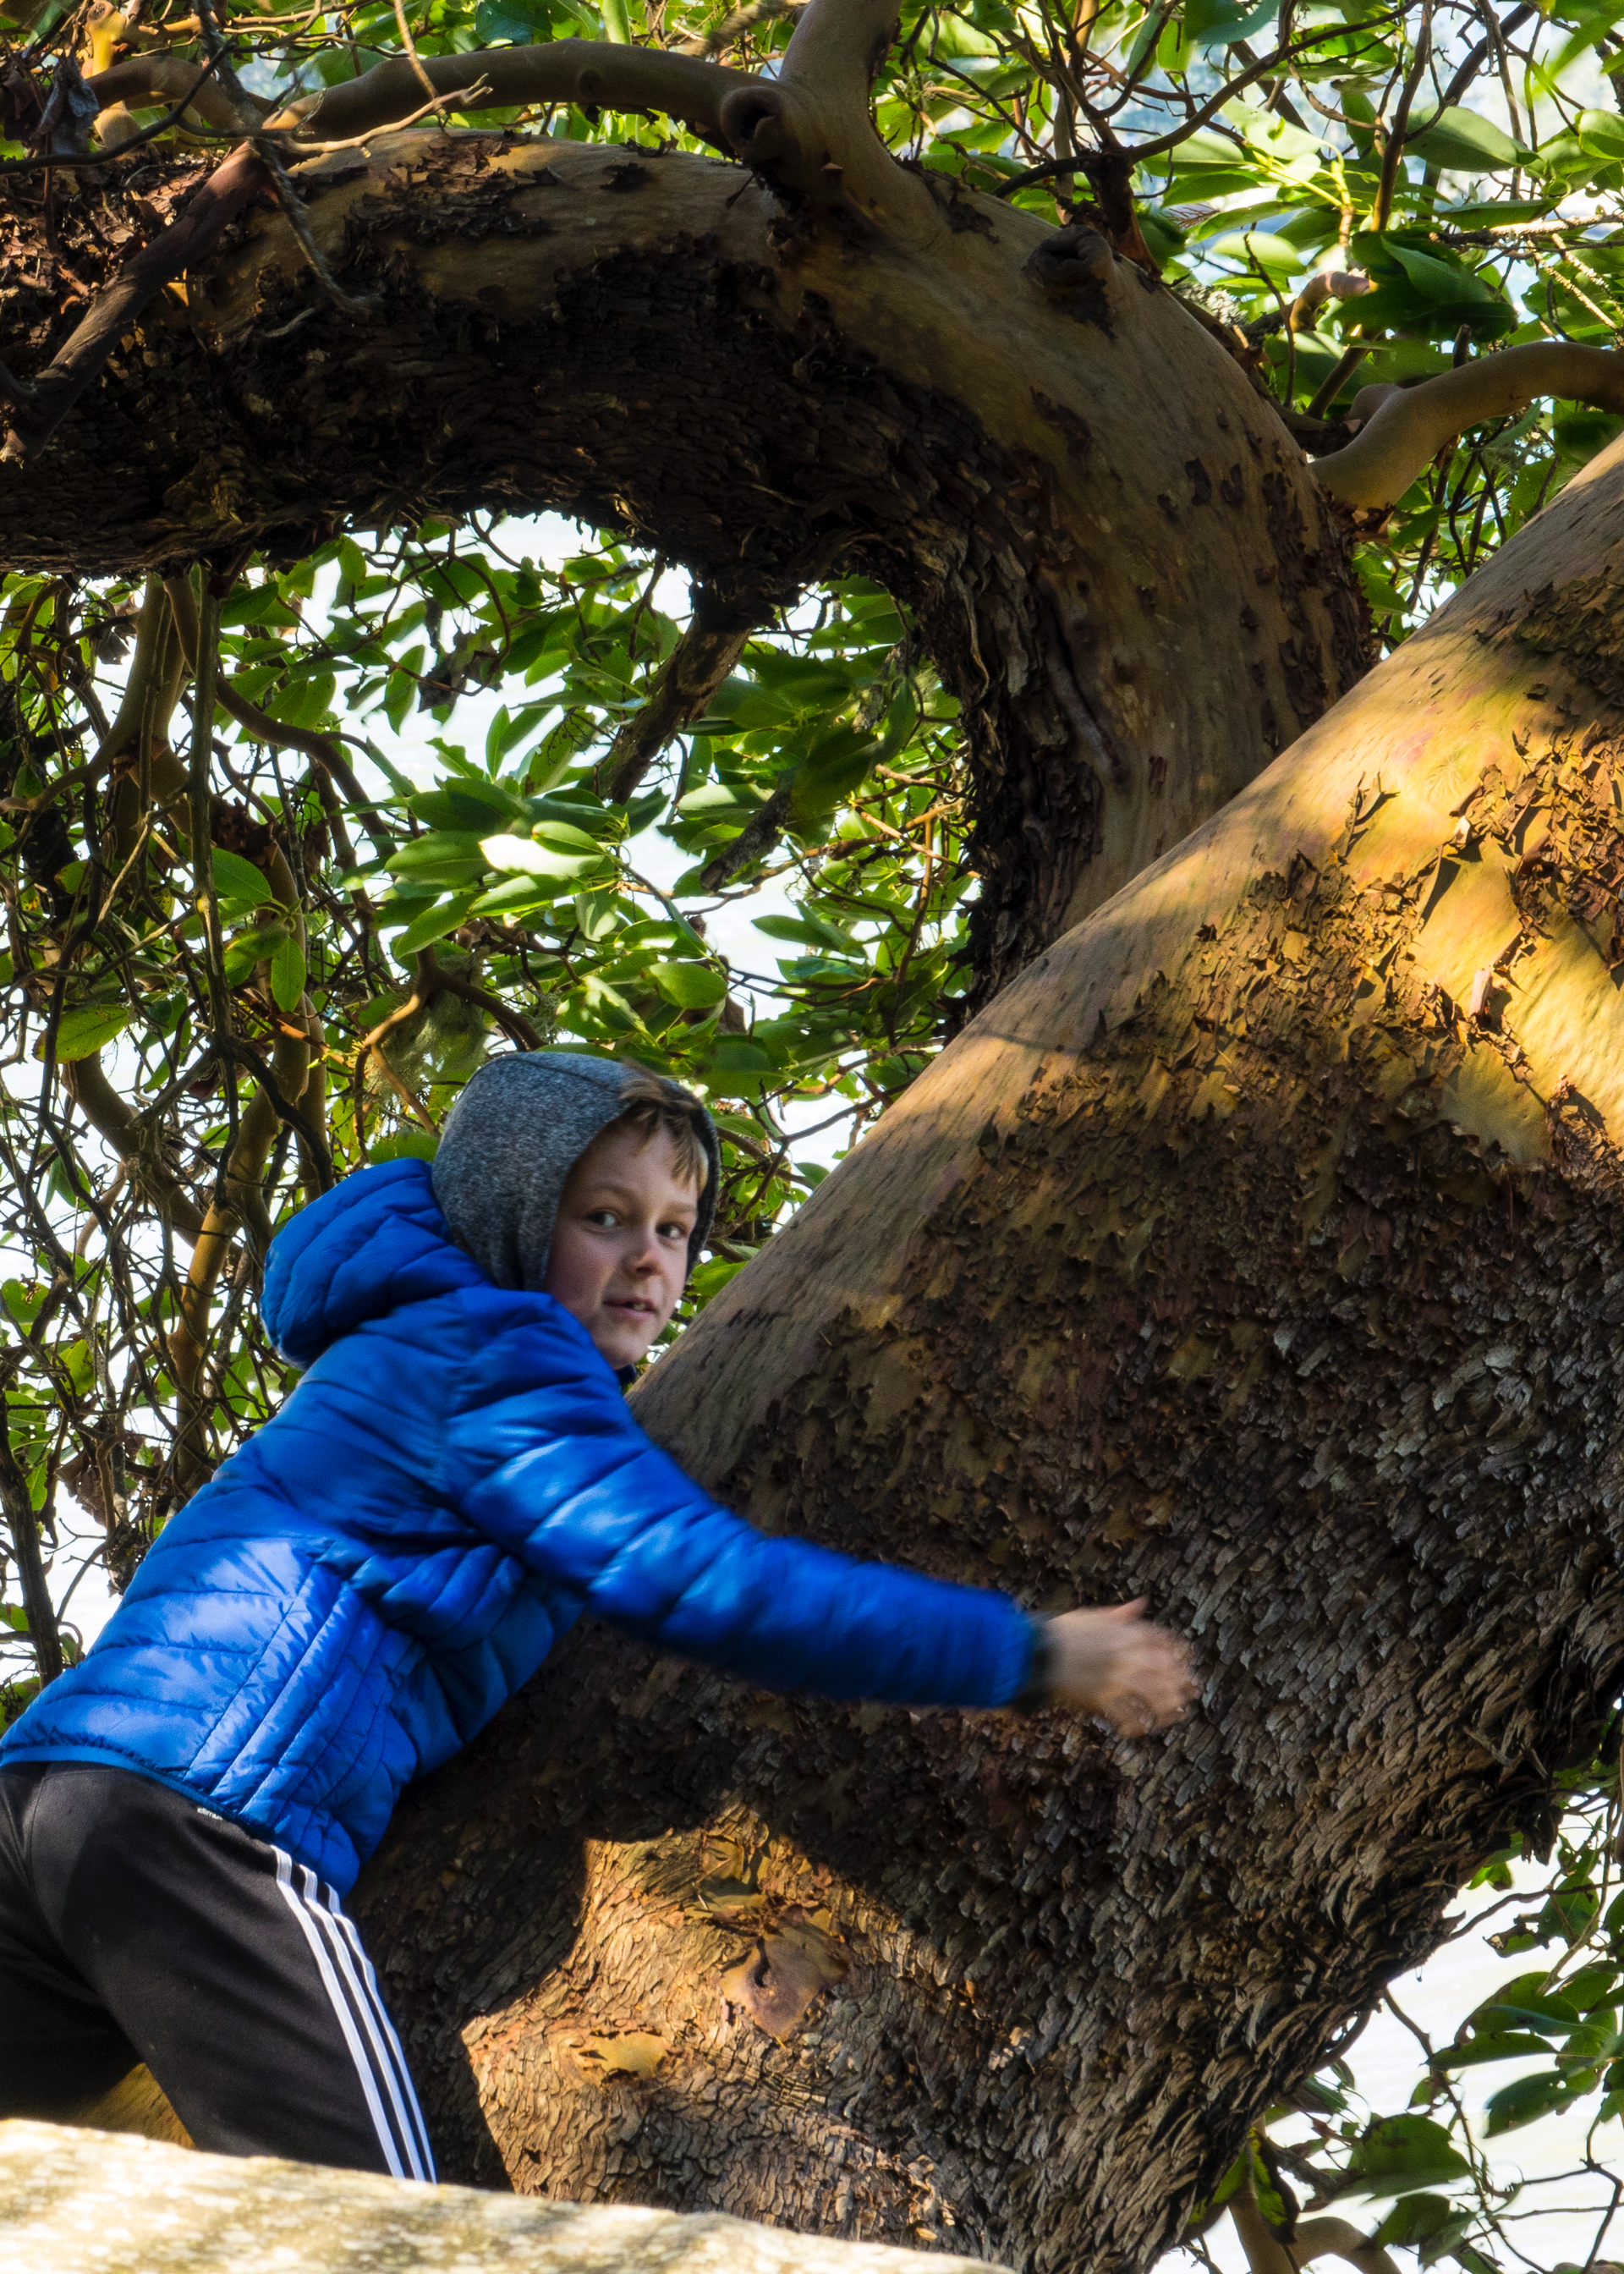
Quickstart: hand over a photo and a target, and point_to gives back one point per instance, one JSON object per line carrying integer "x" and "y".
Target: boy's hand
{"x": 1117, "y": 1664}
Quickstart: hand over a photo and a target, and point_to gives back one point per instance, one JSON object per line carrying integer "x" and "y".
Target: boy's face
{"x": 619, "y": 1250}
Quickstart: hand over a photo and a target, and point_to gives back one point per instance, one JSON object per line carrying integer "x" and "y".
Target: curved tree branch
{"x": 1310, "y": 2239}
{"x": 433, "y": 980}
{"x": 1406, "y": 427}
{"x": 134, "y": 1138}
{"x": 837, "y": 50}
{"x": 809, "y": 136}
{"x": 585, "y": 72}
{"x": 324, "y": 749}
{"x": 181, "y": 82}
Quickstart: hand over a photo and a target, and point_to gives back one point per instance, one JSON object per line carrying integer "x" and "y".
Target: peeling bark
{"x": 1136, "y": 608}
{"x": 1258, "y": 1250}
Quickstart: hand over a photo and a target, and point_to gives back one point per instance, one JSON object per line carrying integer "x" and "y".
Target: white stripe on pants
{"x": 352, "y": 1989}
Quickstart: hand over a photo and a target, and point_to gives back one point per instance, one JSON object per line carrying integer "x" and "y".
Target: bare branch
{"x": 1406, "y": 427}
{"x": 24, "y": 1526}
{"x": 690, "y": 675}
{"x": 585, "y": 72}
{"x": 1399, "y": 132}
{"x": 432, "y": 981}
{"x": 727, "y": 29}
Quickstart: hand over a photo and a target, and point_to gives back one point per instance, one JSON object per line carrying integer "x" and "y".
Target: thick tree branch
{"x": 1406, "y": 427}
{"x": 215, "y": 204}
{"x": 1310, "y": 2239}
{"x": 836, "y": 51}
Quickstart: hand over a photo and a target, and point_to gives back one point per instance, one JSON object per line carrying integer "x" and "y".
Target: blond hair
{"x": 652, "y": 1104}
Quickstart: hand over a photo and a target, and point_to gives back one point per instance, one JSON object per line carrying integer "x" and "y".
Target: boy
{"x": 368, "y": 1580}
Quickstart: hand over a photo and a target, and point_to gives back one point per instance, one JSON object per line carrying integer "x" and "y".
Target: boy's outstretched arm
{"x": 552, "y": 1466}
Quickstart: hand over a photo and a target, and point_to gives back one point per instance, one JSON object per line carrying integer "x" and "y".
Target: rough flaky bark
{"x": 1259, "y": 1249}
{"x": 1121, "y": 563}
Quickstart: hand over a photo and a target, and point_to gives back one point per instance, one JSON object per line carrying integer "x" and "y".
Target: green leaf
{"x": 1525, "y": 2102}
{"x": 564, "y": 837}
{"x": 466, "y": 806}
{"x": 405, "y": 1145}
{"x": 1466, "y": 144}
{"x": 287, "y": 973}
{"x": 1416, "y": 2219}
{"x": 239, "y": 886}
{"x": 1275, "y": 254}
{"x": 433, "y": 924}
{"x": 734, "y": 1055}
{"x": 83, "y": 1031}
{"x": 1492, "y": 2045}
{"x": 1402, "y": 2156}
{"x": 22, "y": 1301}
{"x": 831, "y": 772}
{"x": 693, "y": 986}
{"x": 444, "y": 857}
{"x": 1444, "y": 285}
{"x": 1220, "y": 23}
{"x": 524, "y": 857}
{"x": 1551, "y": 2016}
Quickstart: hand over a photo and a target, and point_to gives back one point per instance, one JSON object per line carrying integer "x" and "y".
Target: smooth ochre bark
{"x": 1259, "y": 1250}
{"x": 89, "y": 2202}
{"x": 1119, "y": 559}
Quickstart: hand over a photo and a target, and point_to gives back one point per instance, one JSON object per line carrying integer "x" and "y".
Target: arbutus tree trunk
{"x": 1119, "y": 561}
{"x": 1258, "y": 1250}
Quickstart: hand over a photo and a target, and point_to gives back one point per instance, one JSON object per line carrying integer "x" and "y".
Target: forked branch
{"x": 1310, "y": 2239}
{"x": 1405, "y": 427}
{"x": 807, "y": 134}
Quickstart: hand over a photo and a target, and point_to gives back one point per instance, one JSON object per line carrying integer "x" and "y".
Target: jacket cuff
{"x": 1037, "y": 1692}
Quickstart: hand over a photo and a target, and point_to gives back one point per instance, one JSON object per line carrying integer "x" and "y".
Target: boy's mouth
{"x": 635, "y": 1304}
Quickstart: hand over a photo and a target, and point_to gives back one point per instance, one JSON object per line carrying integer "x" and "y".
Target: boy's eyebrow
{"x": 609, "y": 1189}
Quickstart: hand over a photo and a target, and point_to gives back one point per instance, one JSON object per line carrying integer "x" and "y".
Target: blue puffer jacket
{"x": 454, "y": 1480}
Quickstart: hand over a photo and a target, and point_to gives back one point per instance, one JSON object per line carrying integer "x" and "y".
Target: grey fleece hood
{"x": 510, "y": 1141}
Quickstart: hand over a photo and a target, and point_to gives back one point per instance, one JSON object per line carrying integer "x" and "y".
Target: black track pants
{"x": 137, "y": 1926}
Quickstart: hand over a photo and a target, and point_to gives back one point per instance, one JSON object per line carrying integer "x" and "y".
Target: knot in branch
{"x": 752, "y": 117}
{"x": 1076, "y": 269}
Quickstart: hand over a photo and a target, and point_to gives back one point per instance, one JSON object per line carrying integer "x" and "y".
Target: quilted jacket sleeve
{"x": 544, "y": 1456}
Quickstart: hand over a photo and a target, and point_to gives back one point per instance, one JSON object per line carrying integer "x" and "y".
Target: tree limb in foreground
{"x": 1310, "y": 2239}
{"x": 1406, "y": 427}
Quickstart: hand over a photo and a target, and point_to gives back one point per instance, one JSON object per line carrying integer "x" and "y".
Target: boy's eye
{"x": 602, "y": 1215}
